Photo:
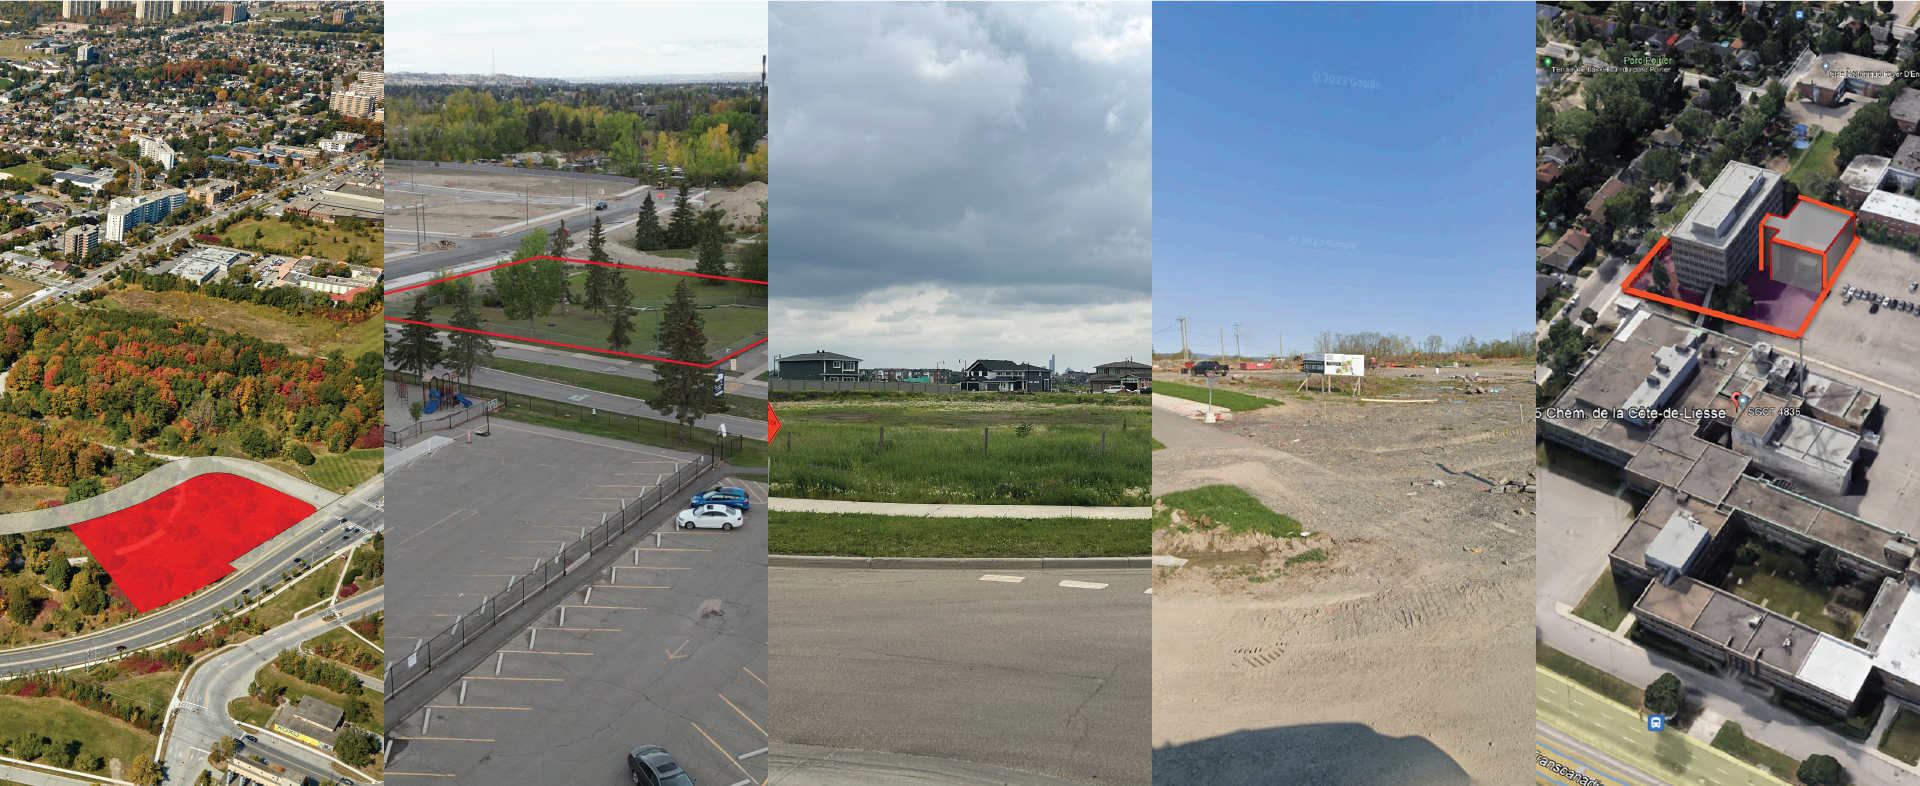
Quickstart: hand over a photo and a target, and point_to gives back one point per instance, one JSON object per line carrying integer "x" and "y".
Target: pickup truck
{"x": 1205, "y": 366}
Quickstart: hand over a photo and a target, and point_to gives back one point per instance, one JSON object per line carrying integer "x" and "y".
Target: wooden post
{"x": 983, "y": 443}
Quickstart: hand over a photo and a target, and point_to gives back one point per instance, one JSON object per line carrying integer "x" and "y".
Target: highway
{"x": 201, "y": 704}
{"x": 264, "y": 200}
{"x": 358, "y": 507}
{"x": 618, "y": 213}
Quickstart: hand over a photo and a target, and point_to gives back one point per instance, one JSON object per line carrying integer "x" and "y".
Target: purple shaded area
{"x": 1778, "y": 304}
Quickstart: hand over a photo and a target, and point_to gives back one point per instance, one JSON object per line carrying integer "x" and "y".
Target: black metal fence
{"x": 398, "y": 436}
{"x": 402, "y": 671}
{"x": 695, "y": 438}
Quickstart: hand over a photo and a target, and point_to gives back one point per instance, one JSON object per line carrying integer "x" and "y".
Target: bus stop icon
{"x": 1656, "y": 723}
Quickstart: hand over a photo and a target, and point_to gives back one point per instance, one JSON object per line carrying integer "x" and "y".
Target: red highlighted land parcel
{"x": 183, "y": 539}
{"x": 1785, "y": 298}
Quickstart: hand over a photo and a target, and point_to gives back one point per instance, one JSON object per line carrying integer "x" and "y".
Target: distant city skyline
{"x": 1305, "y": 185}
{"x": 578, "y": 41}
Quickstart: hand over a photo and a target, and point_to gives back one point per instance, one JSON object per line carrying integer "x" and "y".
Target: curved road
{"x": 202, "y": 703}
{"x": 147, "y": 630}
{"x": 475, "y": 249}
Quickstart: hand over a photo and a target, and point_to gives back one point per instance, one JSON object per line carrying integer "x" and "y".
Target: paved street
{"x": 202, "y": 703}
{"x": 473, "y": 249}
{"x": 1622, "y": 733}
{"x": 1010, "y": 668}
{"x": 305, "y": 541}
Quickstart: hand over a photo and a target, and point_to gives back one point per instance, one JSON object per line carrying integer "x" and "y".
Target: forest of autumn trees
{"x": 147, "y": 377}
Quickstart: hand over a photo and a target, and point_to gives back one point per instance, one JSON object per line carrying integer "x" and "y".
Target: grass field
{"x": 1733, "y": 739}
{"x": 742, "y": 406}
{"x": 1225, "y": 399}
{"x": 341, "y": 473}
{"x": 963, "y": 450}
{"x": 16, "y": 49}
{"x": 344, "y": 636}
{"x": 311, "y": 335}
{"x": 100, "y": 735}
{"x": 1595, "y": 679}
{"x": 1229, "y": 505}
{"x": 1786, "y": 584}
{"x": 867, "y": 535}
{"x": 659, "y": 286}
{"x": 724, "y": 326}
{"x": 155, "y": 689}
{"x": 1602, "y": 605}
{"x": 1902, "y": 741}
{"x": 29, "y": 171}
{"x": 328, "y": 242}
{"x": 312, "y": 588}
{"x": 1818, "y": 157}
{"x": 16, "y": 289}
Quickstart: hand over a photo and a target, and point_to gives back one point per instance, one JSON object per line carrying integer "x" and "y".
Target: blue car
{"x": 721, "y": 495}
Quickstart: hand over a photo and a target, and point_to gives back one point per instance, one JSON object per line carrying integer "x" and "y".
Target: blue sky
{"x": 575, "y": 40}
{"x": 1341, "y": 167}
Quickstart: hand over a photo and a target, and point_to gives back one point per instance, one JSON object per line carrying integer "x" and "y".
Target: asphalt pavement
{"x": 475, "y": 249}
{"x": 1044, "y": 671}
{"x": 306, "y": 542}
{"x": 633, "y": 656}
{"x": 201, "y": 705}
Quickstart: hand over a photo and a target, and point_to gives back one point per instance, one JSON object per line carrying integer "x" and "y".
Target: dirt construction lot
{"x": 1392, "y": 661}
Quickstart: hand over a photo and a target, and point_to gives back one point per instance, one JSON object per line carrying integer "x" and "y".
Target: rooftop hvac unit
{"x": 1754, "y": 622}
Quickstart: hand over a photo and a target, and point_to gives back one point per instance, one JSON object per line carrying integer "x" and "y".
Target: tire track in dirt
{"x": 1402, "y": 610}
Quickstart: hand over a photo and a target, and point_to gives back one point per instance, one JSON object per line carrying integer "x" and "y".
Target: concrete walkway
{"x": 34, "y": 777}
{"x": 810, "y": 765}
{"x": 1195, "y": 410}
{"x": 157, "y": 482}
{"x": 956, "y": 511}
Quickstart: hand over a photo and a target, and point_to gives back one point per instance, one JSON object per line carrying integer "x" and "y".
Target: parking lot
{"x": 1876, "y": 345}
{"x": 635, "y": 656}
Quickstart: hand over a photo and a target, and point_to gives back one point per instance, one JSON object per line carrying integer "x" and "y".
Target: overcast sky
{"x": 964, "y": 181}
{"x": 575, "y": 40}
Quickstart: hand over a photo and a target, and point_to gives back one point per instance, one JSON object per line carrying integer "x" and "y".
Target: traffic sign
{"x": 1656, "y": 723}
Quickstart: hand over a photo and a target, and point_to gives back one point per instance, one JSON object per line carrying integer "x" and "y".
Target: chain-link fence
{"x": 403, "y": 671}
{"x": 397, "y": 437}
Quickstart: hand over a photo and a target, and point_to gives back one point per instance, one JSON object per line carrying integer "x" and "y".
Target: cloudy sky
{"x": 575, "y": 40}
{"x": 963, "y": 181}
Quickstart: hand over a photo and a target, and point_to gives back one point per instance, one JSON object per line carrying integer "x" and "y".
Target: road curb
{"x": 958, "y": 563}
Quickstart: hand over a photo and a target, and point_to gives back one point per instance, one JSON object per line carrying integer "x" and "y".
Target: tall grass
{"x": 936, "y": 454}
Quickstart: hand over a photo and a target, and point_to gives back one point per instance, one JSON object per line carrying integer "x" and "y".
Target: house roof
{"x": 1125, "y": 364}
{"x": 821, "y": 355}
{"x": 1003, "y": 365}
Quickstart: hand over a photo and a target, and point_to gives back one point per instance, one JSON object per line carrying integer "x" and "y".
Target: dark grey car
{"x": 651, "y": 765}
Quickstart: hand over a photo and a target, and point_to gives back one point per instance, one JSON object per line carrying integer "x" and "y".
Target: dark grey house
{"x": 1125, "y": 374}
{"x": 821, "y": 366}
{"x": 1006, "y": 376}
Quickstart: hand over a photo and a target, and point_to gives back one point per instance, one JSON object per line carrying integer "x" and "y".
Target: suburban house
{"x": 1570, "y": 252}
{"x": 822, "y": 366}
{"x": 1597, "y": 206}
{"x": 1006, "y": 376}
{"x": 1126, "y": 374}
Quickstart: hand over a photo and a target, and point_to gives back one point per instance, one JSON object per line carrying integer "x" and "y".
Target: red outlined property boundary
{"x": 1761, "y": 227}
{"x": 523, "y": 339}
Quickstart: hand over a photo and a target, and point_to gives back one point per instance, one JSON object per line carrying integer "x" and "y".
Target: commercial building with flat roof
{"x": 1717, "y": 242}
{"x": 1806, "y": 247}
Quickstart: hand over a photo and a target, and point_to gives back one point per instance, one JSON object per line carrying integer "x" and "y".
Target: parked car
{"x": 718, "y": 517}
{"x": 723, "y": 495}
{"x": 652, "y": 765}
{"x": 1205, "y": 366}
{"x": 599, "y": 205}
{"x": 1114, "y": 389}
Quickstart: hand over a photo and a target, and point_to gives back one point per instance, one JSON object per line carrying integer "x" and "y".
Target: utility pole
{"x": 1236, "y": 341}
{"x": 1184, "y": 353}
{"x": 1223, "y": 342}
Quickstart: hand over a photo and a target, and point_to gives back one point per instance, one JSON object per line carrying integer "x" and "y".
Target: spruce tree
{"x": 647, "y": 234}
{"x": 599, "y": 277}
{"x": 684, "y": 390}
{"x": 619, "y": 314}
{"x": 712, "y": 260}
{"x": 417, "y": 350}
{"x": 681, "y": 229}
{"x": 561, "y": 246}
{"x": 467, "y": 350}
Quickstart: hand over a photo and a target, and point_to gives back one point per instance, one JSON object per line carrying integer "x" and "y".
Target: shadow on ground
{"x": 1350, "y": 754}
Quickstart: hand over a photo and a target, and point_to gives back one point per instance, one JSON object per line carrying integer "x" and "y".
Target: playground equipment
{"x": 433, "y": 402}
{"x": 441, "y": 391}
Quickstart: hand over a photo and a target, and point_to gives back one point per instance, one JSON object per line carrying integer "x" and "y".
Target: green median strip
{"x": 1225, "y": 399}
{"x": 875, "y": 535}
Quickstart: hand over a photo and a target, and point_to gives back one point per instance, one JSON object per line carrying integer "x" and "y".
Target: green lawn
{"x": 1903, "y": 739}
{"x": 344, "y": 636}
{"x": 1603, "y": 605}
{"x": 1226, "y": 399}
{"x": 156, "y": 689}
{"x": 742, "y": 406}
{"x": 16, "y": 49}
{"x": 646, "y": 285}
{"x": 1786, "y": 584}
{"x": 29, "y": 171}
{"x": 1819, "y": 157}
{"x": 724, "y": 326}
{"x": 312, "y": 588}
{"x": 1229, "y": 505}
{"x": 993, "y": 450}
{"x": 326, "y": 241}
{"x": 100, "y": 735}
{"x": 270, "y": 678}
{"x": 1158, "y": 445}
{"x": 1593, "y": 678}
{"x": 869, "y": 535}
{"x": 341, "y": 473}
{"x": 248, "y": 710}
{"x": 1732, "y": 739}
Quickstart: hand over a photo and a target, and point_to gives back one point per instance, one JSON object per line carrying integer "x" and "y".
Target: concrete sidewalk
{"x": 1194, "y": 410}
{"x": 956, "y": 511}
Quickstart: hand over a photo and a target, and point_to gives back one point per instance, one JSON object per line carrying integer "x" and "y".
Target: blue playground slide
{"x": 433, "y": 402}
{"x": 463, "y": 400}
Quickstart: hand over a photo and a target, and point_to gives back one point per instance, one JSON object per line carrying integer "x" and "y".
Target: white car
{"x": 718, "y": 517}
{"x": 1114, "y": 389}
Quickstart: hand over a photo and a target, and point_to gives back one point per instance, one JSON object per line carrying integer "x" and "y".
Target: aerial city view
{"x": 1727, "y": 266}
{"x": 191, "y": 523}
{"x": 575, "y": 393}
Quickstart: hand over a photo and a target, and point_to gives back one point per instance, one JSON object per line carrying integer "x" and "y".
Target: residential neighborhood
{"x": 979, "y": 376}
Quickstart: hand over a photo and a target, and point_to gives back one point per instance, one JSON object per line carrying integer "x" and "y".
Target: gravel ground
{"x": 1408, "y": 649}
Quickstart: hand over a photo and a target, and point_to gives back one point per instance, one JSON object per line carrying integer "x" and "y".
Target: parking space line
{"x": 743, "y": 714}
{"x": 450, "y": 516}
{"x": 626, "y": 586}
{"x": 425, "y": 774}
{"x": 1083, "y": 584}
{"x": 723, "y": 751}
{"x": 687, "y": 533}
{"x": 753, "y": 675}
{"x": 473, "y": 707}
{"x": 584, "y": 630}
{"x": 621, "y": 608}
{"x": 539, "y": 652}
{"x": 519, "y": 679}
{"x": 447, "y": 739}
{"x": 1007, "y": 579}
